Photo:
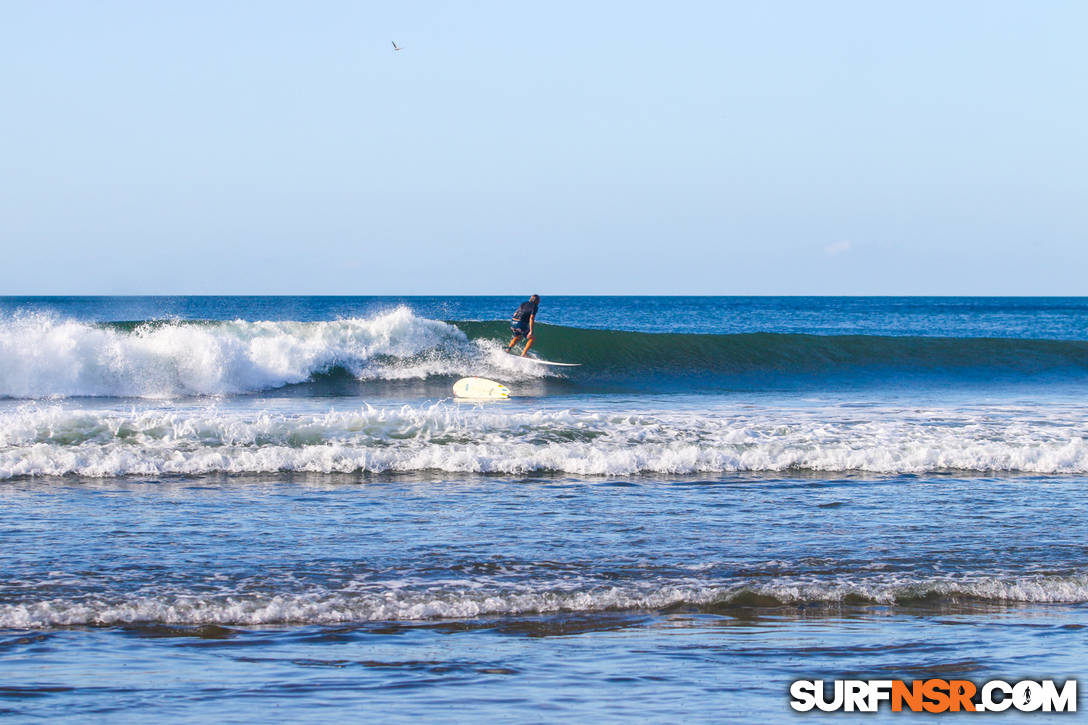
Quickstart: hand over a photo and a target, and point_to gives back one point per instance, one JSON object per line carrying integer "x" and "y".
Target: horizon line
{"x": 520, "y": 294}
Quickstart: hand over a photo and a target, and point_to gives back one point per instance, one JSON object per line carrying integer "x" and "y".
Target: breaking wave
{"x": 55, "y": 440}
{"x": 44, "y": 356}
{"x": 370, "y": 602}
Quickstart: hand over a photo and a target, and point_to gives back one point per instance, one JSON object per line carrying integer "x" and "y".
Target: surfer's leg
{"x": 519, "y": 332}
{"x": 528, "y": 344}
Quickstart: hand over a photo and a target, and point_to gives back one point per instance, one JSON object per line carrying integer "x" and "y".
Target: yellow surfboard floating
{"x": 480, "y": 389}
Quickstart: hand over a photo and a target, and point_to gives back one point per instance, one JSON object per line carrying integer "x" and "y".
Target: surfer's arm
{"x": 532, "y": 319}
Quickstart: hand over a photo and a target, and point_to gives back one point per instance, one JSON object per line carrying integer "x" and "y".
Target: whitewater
{"x": 43, "y": 355}
{"x": 241, "y": 603}
{"x": 446, "y": 436}
{"x": 281, "y": 495}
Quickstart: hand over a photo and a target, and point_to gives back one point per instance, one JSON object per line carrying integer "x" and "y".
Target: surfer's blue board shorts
{"x": 518, "y": 330}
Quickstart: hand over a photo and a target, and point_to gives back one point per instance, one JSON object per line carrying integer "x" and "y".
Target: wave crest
{"x": 44, "y": 356}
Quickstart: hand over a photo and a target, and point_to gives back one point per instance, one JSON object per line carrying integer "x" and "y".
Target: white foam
{"x": 55, "y": 440}
{"x": 44, "y": 356}
{"x": 394, "y": 603}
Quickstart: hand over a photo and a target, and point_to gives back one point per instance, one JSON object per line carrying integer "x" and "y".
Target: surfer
{"x": 522, "y": 323}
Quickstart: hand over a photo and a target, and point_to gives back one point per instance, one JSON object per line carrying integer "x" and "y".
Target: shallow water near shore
{"x": 218, "y": 597}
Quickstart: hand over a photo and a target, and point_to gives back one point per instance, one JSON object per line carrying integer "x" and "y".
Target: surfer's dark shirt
{"x": 524, "y": 312}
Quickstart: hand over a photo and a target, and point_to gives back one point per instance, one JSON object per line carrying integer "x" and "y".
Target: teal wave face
{"x": 398, "y": 352}
{"x": 774, "y": 357}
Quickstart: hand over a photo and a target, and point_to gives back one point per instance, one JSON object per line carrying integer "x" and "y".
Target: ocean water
{"x": 238, "y": 509}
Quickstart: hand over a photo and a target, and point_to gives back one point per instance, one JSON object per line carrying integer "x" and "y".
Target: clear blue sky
{"x": 561, "y": 147}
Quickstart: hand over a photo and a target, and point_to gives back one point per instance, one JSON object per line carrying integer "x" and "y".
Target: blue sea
{"x": 238, "y": 509}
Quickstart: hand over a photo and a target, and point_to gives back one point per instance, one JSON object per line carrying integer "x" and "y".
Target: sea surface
{"x": 237, "y": 509}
